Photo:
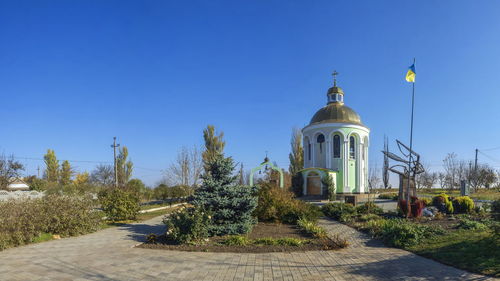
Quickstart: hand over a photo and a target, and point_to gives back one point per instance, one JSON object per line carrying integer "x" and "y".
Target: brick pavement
{"x": 110, "y": 255}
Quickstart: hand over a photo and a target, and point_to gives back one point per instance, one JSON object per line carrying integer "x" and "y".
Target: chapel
{"x": 335, "y": 144}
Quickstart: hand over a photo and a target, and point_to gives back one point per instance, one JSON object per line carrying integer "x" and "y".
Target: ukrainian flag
{"x": 410, "y": 75}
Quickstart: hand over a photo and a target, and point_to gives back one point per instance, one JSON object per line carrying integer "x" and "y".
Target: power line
{"x": 489, "y": 149}
{"x": 60, "y": 160}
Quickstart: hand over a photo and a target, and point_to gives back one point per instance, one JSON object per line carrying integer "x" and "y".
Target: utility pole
{"x": 38, "y": 171}
{"x": 114, "y": 146}
{"x": 475, "y": 161}
{"x": 475, "y": 169}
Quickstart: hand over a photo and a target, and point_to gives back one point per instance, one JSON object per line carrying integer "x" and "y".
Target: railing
{"x": 30, "y": 194}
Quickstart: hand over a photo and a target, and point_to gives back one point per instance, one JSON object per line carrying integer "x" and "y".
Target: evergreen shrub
{"x": 391, "y": 196}
{"x": 189, "y": 225}
{"x": 442, "y": 203}
{"x": 339, "y": 211}
{"x": 119, "y": 204}
{"x": 401, "y": 233}
{"x": 231, "y": 205}
{"x": 369, "y": 208}
{"x": 463, "y": 205}
{"x": 495, "y": 209}
{"x": 278, "y": 205}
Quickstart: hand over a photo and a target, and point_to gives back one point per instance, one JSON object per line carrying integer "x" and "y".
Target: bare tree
{"x": 427, "y": 179}
{"x": 9, "y": 168}
{"x": 102, "y": 175}
{"x": 373, "y": 179}
{"x": 441, "y": 177}
{"x": 187, "y": 168}
{"x": 485, "y": 176}
{"x": 455, "y": 170}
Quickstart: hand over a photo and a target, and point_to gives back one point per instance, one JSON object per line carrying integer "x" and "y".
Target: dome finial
{"x": 335, "y": 73}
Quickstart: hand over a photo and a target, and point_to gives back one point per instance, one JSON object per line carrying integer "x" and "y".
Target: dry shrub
{"x": 23, "y": 220}
{"x": 279, "y": 205}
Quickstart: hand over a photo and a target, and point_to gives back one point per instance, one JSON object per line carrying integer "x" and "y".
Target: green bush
{"x": 237, "y": 240}
{"x": 311, "y": 227}
{"x": 495, "y": 209}
{"x": 401, "y": 233}
{"x": 463, "y": 205}
{"x": 119, "y": 204}
{"x": 443, "y": 203}
{"x": 369, "y": 217}
{"x": 470, "y": 224}
{"x": 231, "y": 205}
{"x": 278, "y": 205}
{"x": 23, "y": 221}
{"x": 449, "y": 207}
{"x": 330, "y": 186}
{"x": 339, "y": 211}
{"x": 190, "y": 225}
{"x": 426, "y": 201}
{"x": 70, "y": 216}
{"x": 369, "y": 208}
{"x": 391, "y": 196}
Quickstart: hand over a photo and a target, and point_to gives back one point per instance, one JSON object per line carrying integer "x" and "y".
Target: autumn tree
{"x": 82, "y": 178}
{"x": 51, "y": 166}
{"x": 66, "y": 173}
{"x": 124, "y": 167}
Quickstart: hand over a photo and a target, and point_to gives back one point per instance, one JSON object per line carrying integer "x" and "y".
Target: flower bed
{"x": 264, "y": 237}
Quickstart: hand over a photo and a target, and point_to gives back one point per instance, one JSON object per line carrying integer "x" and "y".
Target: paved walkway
{"x": 109, "y": 255}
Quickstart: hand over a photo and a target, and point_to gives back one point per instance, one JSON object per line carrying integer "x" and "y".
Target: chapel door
{"x": 313, "y": 185}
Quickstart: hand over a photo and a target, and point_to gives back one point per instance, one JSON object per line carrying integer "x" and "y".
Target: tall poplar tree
{"x": 214, "y": 145}
{"x": 66, "y": 173}
{"x": 296, "y": 157}
{"x": 124, "y": 167}
{"x": 51, "y": 166}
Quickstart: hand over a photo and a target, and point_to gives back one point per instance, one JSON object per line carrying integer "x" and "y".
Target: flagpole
{"x": 408, "y": 206}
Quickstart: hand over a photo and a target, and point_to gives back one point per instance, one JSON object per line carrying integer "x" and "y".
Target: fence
{"x": 31, "y": 194}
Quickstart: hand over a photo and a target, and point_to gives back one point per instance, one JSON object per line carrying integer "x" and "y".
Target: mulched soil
{"x": 261, "y": 230}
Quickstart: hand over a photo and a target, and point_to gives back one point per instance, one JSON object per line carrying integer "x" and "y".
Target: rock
{"x": 427, "y": 213}
{"x": 56, "y": 236}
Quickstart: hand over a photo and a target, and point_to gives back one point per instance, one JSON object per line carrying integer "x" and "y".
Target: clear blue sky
{"x": 73, "y": 74}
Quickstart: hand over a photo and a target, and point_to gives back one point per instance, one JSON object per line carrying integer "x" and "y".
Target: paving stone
{"x": 110, "y": 255}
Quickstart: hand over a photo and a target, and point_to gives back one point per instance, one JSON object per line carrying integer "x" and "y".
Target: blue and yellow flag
{"x": 410, "y": 75}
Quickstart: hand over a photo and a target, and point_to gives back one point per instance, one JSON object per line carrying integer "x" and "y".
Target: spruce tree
{"x": 231, "y": 205}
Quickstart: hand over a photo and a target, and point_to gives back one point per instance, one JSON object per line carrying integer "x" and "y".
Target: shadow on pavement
{"x": 139, "y": 231}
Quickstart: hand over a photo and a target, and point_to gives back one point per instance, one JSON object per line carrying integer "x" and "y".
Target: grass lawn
{"x": 43, "y": 237}
{"x": 473, "y": 250}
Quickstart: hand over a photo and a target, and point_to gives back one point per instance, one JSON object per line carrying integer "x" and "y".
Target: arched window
{"x": 320, "y": 139}
{"x": 336, "y": 146}
{"x": 352, "y": 147}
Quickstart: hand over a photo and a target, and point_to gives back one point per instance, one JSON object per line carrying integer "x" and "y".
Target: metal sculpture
{"x": 406, "y": 169}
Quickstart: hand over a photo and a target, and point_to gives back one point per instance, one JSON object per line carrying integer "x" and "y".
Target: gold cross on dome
{"x": 335, "y": 73}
